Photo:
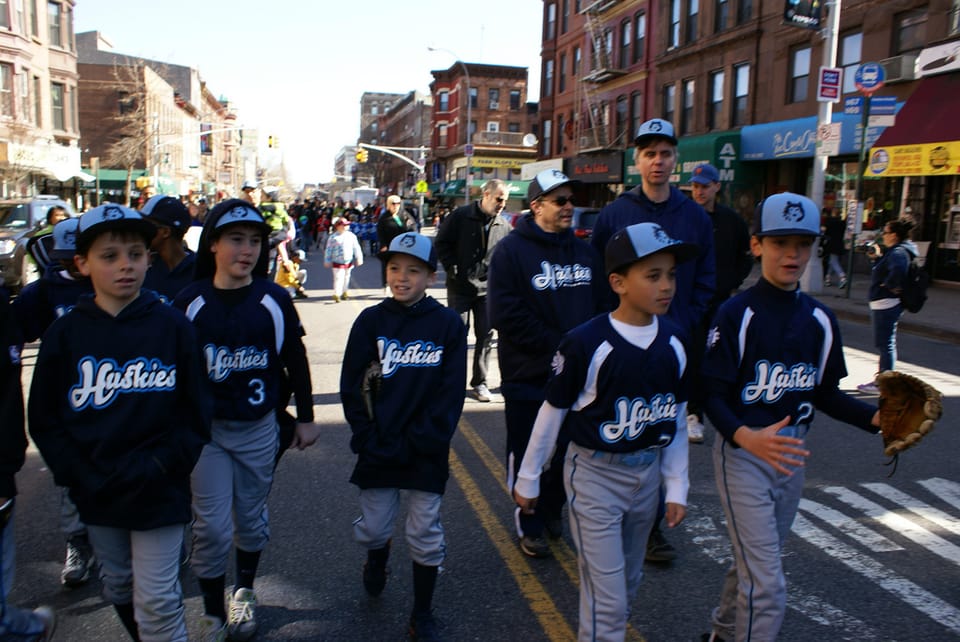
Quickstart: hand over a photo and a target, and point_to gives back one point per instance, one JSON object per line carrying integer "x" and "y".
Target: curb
{"x": 911, "y": 327}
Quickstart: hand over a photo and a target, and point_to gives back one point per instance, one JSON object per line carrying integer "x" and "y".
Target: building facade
{"x": 39, "y": 126}
{"x": 373, "y": 105}
{"x": 406, "y": 126}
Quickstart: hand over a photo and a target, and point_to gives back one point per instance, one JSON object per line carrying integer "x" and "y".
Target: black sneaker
{"x": 659, "y": 549}
{"x": 79, "y": 564}
{"x": 535, "y": 547}
{"x": 554, "y": 528}
{"x": 423, "y": 627}
{"x": 375, "y": 570}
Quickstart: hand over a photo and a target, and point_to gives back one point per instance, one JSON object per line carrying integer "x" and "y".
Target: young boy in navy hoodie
{"x": 402, "y": 427}
{"x": 117, "y": 409}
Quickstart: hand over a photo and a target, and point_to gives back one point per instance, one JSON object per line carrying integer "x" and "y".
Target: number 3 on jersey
{"x": 259, "y": 393}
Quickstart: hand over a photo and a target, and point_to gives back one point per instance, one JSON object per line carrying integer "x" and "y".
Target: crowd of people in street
{"x": 161, "y": 391}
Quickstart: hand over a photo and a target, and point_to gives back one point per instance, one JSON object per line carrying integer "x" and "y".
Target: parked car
{"x": 513, "y": 217}
{"x": 584, "y": 218}
{"x": 19, "y": 219}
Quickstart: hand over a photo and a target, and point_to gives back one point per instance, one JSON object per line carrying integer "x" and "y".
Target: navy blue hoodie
{"x": 119, "y": 409}
{"x": 13, "y": 440}
{"x": 683, "y": 220}
{"x": 46, "y": 300}
{"x": 541, "y": 285}
{"x": 422, "y": 352}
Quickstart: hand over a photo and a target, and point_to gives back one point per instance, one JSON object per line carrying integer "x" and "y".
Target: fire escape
{"x": 593, "y": 117}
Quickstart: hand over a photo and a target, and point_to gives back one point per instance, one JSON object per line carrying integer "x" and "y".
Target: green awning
{"x": 517, "y": 189}
{"x": 454, "y": 187}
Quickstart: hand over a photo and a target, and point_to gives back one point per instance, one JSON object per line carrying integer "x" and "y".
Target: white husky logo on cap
{"x": 793, "y": 212}
{"x": 112, "y": 213}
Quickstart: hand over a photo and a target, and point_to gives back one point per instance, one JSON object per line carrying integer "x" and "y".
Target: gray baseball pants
{"x": 379, "y": 507}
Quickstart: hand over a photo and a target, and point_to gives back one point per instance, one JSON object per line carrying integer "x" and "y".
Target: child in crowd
{"x": 414, "y": 349}
{"x": 251, "y": 338}
{"x": 343, "y": 253}
{"x": 172, "y": 264}
{"x": 773, "y": 355}
{"x": 619, "y": 390}
{"x": 118, "y": 411}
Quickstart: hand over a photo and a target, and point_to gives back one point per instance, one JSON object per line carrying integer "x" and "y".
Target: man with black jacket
{"x": 464, "y": 244}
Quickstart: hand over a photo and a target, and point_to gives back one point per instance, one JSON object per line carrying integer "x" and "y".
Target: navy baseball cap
{"x": 655, "y": 127}
{"x": 785, "y": 214}
{"x": 547, "y": 181}
{"x": 705, "y": 174}
{"x": 111, "y": 216}
{"x": 236, "y": 211}
{"x": 639, "y": 241}
{"x": 415, "y": 245}
{"x": 65, "y": 239}
{"x": 166, "y": 210}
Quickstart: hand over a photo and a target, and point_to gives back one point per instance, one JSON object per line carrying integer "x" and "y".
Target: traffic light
{"x": 273, "y": 142}
{"x": 362, "y": 155}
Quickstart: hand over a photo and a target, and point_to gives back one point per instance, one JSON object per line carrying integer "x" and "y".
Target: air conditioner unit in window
{"x": 494, "y": 105}
{"x": 900, "y": 68}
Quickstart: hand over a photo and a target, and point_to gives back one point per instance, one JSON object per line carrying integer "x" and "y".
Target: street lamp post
{"x": 466, "y": 135}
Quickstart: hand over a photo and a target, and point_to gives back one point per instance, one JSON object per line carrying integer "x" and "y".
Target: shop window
{"x": 799, "y": 75}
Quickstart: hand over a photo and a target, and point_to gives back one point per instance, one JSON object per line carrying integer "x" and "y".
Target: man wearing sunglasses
{"x": 544, "y": 281}
{"x": 656, "y": 201}
{"x": 464, "y": 244}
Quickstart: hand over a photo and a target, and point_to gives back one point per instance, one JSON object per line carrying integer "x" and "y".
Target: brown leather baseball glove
{"x": 908, "y": 409}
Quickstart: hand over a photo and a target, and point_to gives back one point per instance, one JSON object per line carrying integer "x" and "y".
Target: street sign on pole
{"x": 883, "y": 111}
{"x": 869, "y": 77}
{"x": 831, "y": 83}
{"x": 468, "y": 150}
{"x": 853, "y": 106}
{"x": 828, "y": 139}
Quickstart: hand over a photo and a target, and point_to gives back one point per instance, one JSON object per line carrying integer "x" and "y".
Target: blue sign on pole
{"x": 853, "y": 106}
{"x": 883, "y": 106}
{"x": 869, "y": 77}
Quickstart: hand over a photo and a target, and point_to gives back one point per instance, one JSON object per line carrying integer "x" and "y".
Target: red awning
{"x": 929, "y": 115}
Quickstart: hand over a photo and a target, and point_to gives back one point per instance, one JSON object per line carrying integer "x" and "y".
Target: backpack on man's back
{"x": 915, "y": 284}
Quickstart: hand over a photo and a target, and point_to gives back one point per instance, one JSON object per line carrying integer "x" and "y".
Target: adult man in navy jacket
{"x": 656, "y": 201}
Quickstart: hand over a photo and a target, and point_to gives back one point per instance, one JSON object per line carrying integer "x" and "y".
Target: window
{"x": 622, "y": 122}
{"x": 548, "y": 78}
{"x": 693, "y": 13}
{"x": 715, "y": 110}
{"x": 514, "y": 99}
{"x": 21, "y": 18}
{"x": 562, "y": 74}
{"x": 606, "y": 58}
{"x": 24, "y": 102}
{"x": 472, "y": 130}
{"x": 565, "y": 16}
{"x": 910, "y": 31}
{"x": 68, "y": 24}
{"x": 513, "y": 127}
{"x": 636, "y": 111}
{"x": 741, "y": 87}
{"x": 551, "y": 21}
{"x": 625, "y": 42}
{"x": 374, "y": 109}
{"x": 37, "y": 103}
{"x": 6, "y": 90}
{"x": 669, "y": 101}
{"x": 444, "y": 101}
{"x": 54, "y": 24}
{"x": 639, "y": 36}
{"x": 686, "y": 115}
{"x": 559, "y": 134}
{"x": 744, "y": 11}
{"x": 442, "y": 135}
{"x": 4, "y": 14}
{"x": 953, "y": 19}
{"x": 546, "y": 142}
{"x": 57, "y": 105}
{"x": 493, "y": 99}
{"x": 575, "y": 71}
{"x": 850, "y": 51}
{"x": 472, "y": 91}
{"x": 673, "y": 38}
{"x": 493, "y": 126}
{"x": 799, "y": 75}
{"x": 32, "y": 12}
{"x": 720, "y": 14}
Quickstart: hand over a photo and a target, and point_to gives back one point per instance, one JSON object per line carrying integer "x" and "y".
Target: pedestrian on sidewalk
{"x": 401, "y": 385}
{"x": 891, "y": 261}
{"x": 834, "y": 248}
{"x": 342, "y": 254}
{"x": 774, "y": 355}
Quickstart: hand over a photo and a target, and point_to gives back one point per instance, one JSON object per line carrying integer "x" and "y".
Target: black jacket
{"x": 731, "y": 244}
{"x": 465, "y": 244}
{"x": 13, "y": 440}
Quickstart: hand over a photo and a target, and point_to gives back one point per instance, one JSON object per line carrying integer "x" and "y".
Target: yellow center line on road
{"x": 551, "y": 621}
{"x": 561, "y": 551}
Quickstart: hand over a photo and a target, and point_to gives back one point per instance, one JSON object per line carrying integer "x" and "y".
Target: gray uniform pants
{"x": 613, "y": 502}
{"x": 143, "y": 567}
{"x": 230, "y": 485}
{"x": 760, "y": 505}
{"x": 378, "y": 508}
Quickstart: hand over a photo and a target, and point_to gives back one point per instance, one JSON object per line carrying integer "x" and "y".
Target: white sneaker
{"x": 481, "y": 392}
{"x": 694, "y": 430}
{"x": 212, "y": 629}
{"x": 241, "y": 617}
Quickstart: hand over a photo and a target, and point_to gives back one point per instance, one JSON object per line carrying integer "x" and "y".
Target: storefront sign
{"x": 797, "y": 138}
{"x": 596, "y": 168}
{"x": 63, "y": 163}
{"x": 802, "y": 13}
{"x": 939, "y": 59}
{"x": 931, "y": 159}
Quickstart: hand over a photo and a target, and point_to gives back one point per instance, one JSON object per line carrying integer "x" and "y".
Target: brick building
{"x": 406, "y": 124}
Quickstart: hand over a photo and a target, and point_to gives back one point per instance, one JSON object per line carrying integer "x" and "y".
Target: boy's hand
{"x": 777, "y": 450}
{"x": 526, "y": 504}
{"x": 675, "y": 514}
{"x": 305, "y": 435}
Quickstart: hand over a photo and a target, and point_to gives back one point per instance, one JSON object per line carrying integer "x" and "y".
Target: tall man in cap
{"x": 731, "y": 243}
{"x": 656, "y": 201}
{"x": 543, "y": 282}
{"x": 465, "y": 243}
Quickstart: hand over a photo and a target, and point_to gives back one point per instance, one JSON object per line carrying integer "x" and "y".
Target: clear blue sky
{"x": 297, "y": 69}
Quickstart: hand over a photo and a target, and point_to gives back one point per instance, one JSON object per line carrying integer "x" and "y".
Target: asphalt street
{"x": 872, "y": 557}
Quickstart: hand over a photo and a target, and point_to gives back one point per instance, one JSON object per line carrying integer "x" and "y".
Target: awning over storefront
{"x": 926, "y": 138}
{"x": 517, "y": 189}
{"x": 797, "y": 138}
{"x": 721, "y": 149}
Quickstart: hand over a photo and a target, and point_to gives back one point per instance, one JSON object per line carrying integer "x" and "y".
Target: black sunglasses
{"x": 560, "y": 201}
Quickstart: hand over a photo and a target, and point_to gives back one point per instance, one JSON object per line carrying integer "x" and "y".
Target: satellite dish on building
{"x": 530, "y": 140}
